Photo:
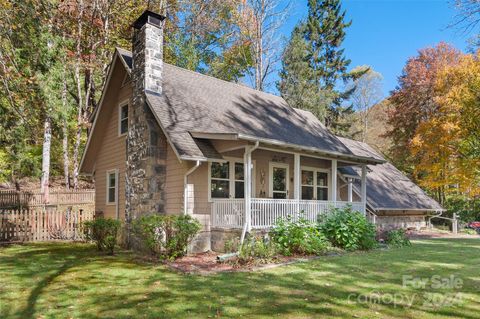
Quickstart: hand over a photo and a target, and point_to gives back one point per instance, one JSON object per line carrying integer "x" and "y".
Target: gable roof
{"x": 195, "y": 105}
{"x": 387, "y": 187}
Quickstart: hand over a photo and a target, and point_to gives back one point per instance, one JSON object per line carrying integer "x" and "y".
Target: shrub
{"x": 232, "y": 245}
{"x": 103, "y": 231}
{"x": 397, "y": 238}
{"x": 298, "y": 237}
{"x": 348, "y": 229}
{"x": 469, "y": 231}
{"x": 256, "y": 249}
{"x": 166, "y": 236}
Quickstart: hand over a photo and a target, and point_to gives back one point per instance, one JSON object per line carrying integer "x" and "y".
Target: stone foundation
{"x": 394, "y": 222}
{"x": 201, "y": 243}
{"x": 218, "y": 238}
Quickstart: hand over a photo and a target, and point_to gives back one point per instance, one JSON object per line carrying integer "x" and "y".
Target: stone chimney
{"x": 146, "y": 143}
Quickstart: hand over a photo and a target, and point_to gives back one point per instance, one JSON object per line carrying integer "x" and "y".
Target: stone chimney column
{"x": 146, "y": 143}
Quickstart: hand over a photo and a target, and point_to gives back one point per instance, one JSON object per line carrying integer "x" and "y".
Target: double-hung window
{"x": 314, "y": 184}
{"x": 220, "y": 180}
{"x": 227, "y": 179}
{"x": 123, "y": 119}
{"x": 112, "y": 184}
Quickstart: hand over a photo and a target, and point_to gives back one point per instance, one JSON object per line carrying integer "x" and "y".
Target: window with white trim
{"x": 227, "y": 179}
{"x": 112, "y": 185}
{"x": 314, "y": 184}
{"x": 123, "y": 119}
{"x": 219, "y": 180}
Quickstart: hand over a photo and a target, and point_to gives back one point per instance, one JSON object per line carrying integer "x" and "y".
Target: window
{"x": 279, "y": 180}
{"x": 227, "y": 179}
{"x": 239, "y": 181}
{"x": 314, "y": 184}
{"x": 219, "y": 179}
{"x": 112, "y": 177}
{"x": 123, "y": 119}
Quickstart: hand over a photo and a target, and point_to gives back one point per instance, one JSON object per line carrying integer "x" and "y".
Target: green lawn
{"x": 74, "y": 281}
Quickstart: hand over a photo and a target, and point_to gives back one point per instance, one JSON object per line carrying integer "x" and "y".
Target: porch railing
{"x": 230, "y": 213}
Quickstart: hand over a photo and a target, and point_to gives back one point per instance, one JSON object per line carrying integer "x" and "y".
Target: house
{"x": 393, "y": 200}
{"x": 171, "y": 141}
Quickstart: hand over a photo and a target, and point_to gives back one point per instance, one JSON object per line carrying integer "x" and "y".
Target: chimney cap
{"x": 148, "y": 17}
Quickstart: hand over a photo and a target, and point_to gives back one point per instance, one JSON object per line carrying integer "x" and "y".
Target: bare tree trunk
{"x": 267, "y": 19}
{"x": 259, "y": 57}
{"x": 78, "y": 136}
{"x": 66, "y": 158}
{"x": 365, "y": 126}
{"x": 47, "y": 142}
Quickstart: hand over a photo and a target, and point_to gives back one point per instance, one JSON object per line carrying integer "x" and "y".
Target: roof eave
{"x": 240, "y": 136}
{"x": 360, "y": 159}
{"x": 412, "y": 209}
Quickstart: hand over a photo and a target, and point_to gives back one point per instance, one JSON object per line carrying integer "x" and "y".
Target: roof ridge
{"x": 218, "y": 79}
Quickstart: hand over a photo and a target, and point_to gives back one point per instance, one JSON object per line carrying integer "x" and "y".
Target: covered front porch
{"x": 264, "y": 212}
{"x": 255, "y": 185}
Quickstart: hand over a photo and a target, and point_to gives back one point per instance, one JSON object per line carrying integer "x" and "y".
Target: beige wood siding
{"x": 201, "y": 206}
{"x": 174, "y": 183}
{"x": 111, "y": 153}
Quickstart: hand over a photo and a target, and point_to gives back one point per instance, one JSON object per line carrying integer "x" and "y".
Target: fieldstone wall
{"x": 218, "y": 238}
{"x": 405, "y": 222}
{"x": 146, "y": 143}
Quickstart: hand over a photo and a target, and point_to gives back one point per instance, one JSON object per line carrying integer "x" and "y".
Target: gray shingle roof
{"x": 387, "y": 187}
{"x": 195, "y": 103}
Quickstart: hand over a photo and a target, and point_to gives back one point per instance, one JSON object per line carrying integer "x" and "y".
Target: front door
{"x": 279, "y": 180}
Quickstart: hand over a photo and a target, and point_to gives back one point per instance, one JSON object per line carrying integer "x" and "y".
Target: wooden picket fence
{"x": 43, "y": 224}
{"x": 34, "y": 198}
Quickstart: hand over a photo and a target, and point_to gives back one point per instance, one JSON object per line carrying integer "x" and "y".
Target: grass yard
{"x": 74, "y": 281}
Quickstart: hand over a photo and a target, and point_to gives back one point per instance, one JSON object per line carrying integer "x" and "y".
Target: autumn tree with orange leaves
{"x": 435, "y": 122}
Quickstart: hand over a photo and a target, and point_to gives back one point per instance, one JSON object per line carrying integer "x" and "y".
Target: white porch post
{"x": 350, "y": 191}
{"x": 247, "y": 171}
{"x": 296, "y": 176}
{"x": 296, "y": 180}
{"x": 364, "y": 186}
{"x": 334, "y": 180}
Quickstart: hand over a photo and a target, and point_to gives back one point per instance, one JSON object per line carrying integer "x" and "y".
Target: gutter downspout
{"x": 185, "y": 187}
{"x": 247, "y": 162}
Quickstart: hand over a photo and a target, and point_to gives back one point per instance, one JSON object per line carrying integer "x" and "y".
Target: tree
{"x": 259, "y": 21}
{"x": 413, "y": 101}
{"x": 317, "y": 44}
{"x": 447, "y": 143}
{"x": 296, "y": 85}
{"x": 325, "y": 32}
{"x": 367, "y": 91}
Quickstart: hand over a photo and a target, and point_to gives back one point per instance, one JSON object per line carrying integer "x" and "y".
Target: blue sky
{"x": 385, "y": 33}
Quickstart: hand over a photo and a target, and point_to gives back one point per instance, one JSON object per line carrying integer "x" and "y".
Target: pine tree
{"x": 314, "y": 57}
{"x": 296, "y": 85}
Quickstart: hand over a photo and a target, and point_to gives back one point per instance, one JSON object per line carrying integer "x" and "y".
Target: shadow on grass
{"x": 75, "y": 279}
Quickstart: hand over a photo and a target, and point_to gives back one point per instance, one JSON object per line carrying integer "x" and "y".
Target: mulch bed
{"x": 206, "y": 263}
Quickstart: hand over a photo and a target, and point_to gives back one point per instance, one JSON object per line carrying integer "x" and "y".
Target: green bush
{"x": 256, "y": 249}
{"x": 103, "y": 231}
{"x": 469, "y": 231}
{"x": 167, "y": 236}
{"x": 298, "y": 237}
{"x": 348, "y": 229}
{"x": 397, "y": 238}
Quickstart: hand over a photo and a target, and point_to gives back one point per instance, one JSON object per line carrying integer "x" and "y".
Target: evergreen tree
{"x": 296, "y": 85}
{"x": 314, "y": 57}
